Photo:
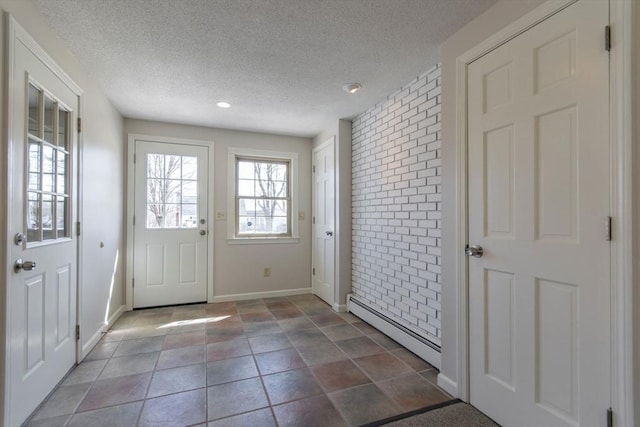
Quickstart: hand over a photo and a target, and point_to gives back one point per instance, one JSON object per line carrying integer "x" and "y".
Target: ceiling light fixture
{"x": 223, "y": 104}
{"x": 352, "y": 87}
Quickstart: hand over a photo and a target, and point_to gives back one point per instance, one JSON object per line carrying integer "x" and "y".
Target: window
{"x": 49, "y": 134}
{"x": 262, "y": 196}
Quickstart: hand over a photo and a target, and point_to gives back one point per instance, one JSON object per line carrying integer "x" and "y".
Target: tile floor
{"x": 288, "y": 361}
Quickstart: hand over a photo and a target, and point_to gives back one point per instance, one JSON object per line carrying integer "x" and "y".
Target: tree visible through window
{"x": 262, "y": 197}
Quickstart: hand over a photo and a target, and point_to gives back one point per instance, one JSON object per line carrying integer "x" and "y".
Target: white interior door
{"x": 323, "y": 276}
{"x": 170, "y": 228}
{"x": 539, "y": 195}
{"x": 42, "y": 292}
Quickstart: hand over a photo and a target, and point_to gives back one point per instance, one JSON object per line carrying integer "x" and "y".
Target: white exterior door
{"x": 323, "y": 276}
{"x": 170, "y": 225}
{"x": 539, "y": 195}
{"x": 42, "y": 290}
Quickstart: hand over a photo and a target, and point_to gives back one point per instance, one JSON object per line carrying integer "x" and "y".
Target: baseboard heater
{"x": 418, "y": 344}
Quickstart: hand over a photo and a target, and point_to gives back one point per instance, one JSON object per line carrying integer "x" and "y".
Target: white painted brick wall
{"x": 397, "y": 205}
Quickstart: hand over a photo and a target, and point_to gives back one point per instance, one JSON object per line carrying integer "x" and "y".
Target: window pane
{"x": 247, "y": 207}
{"x": 172, "y": 218}
{"x": 47, "y": 217}
{"x": 33, "y": 217}
{"x": 246, "y": 224}
{"x": 173, "y": 167}
{"x": 189, "y": 168}
{"x": 48, "y": 159}
{"x": 279, "y": 225}
{"x": 189, "y": 192}
{"x": 49, "y": 114}
{"x": 155, "y": 215}
{"x": 61, "y": 184}
{"x": 173, "y": 192}
{"x": 245, "y": 170}
{"x": 155, "y": 191}
{"x": 34, "y": 111}
{"x": 155, "y": 165}
{"x": 189, "y": 216}
{"x": 63, "y": 128}
{"x": 280, "y": 209}
{"x": 34, "y": 165}
{"x": 246, "y": 187}
{"x": 61, "y": 217}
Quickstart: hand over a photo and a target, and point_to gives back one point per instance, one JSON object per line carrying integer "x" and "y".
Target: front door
{"x": 323, "y": 272}
{"x": 170, "y": 226}
{"x": 539, "y": 199}
{"x": 42, "y": 291}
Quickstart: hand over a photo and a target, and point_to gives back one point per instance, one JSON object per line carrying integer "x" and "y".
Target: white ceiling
{"x": 280, "y": 63}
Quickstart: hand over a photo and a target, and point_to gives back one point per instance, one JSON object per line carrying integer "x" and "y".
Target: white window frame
{"x": 290, "y": 157}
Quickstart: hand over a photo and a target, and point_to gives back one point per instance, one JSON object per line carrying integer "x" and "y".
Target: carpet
{"x": 454, "y": 413}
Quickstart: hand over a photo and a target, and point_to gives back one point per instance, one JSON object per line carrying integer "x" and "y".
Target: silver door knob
{"x": 24, "y": 265}
{"x": 475, "y": 251}
{"x": 203, "y": 232}
{"x": 329, "y": 233}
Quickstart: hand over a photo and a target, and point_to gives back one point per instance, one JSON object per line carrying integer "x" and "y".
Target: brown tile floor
{"x": 287, "y": 361}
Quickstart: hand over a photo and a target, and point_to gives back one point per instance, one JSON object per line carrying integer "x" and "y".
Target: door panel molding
{"x": 131, "y": 143}
{"x": 624, "y": 203}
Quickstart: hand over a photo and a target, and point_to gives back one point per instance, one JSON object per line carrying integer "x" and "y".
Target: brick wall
{"x": 396, "y": 206}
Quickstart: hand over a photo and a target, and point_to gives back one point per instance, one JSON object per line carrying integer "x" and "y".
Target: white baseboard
{"x": 395, "y": 332}
{"x": 257, "y": 295}
{"x": 448, "y": 385}
{"x": 91, "y": 342}
{"x": 340, "y": 308}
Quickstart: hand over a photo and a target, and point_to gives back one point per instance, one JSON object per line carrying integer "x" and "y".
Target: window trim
{"x": 292, "y": 158}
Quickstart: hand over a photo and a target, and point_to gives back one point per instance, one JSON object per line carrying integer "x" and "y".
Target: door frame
{"x": 14, "y": 34}
{"x": 335, "y": 304}
{"x": 131, "y": 143}
{"x": 623, "y": 274}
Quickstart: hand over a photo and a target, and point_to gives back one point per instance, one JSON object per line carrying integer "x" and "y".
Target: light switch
{"x": 300, "y": 215}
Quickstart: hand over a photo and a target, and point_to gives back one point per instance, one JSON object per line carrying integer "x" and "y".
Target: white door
{"x": 323, "y": 276}
{"x": 170, "y": 225}
{"x": 539, "y": 195}
{"x": 42, "y": 292}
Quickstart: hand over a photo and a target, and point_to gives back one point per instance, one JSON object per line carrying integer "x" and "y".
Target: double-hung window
{"x": 263, "y": 195}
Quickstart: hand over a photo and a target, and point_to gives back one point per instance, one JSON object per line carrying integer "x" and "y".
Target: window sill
{"x": 261, "y": 240}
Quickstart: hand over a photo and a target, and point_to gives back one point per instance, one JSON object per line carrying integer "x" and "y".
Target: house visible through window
{"x": 263, "y": 197}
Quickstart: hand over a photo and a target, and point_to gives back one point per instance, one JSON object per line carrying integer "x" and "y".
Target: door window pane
{"x": 34, "y": 110}
{"x": 33, "y": 217}
{"x": 63, "y": 128}
{"x": 49, "y": 119}
{"x": 172, "y": 191}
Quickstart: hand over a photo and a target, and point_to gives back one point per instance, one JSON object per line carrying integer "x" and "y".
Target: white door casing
{"x": 538, "y": 198}
{"x": 41, "y": 302}
{"x": 323, "y": 223}
{"x": 171, "y": 231}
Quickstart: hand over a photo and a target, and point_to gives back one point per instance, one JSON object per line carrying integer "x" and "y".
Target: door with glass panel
{"x": 42, "y": 290}
{"x": 170, "y": 226}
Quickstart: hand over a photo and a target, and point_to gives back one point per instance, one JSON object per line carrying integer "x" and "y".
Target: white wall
{"x": 238, "y": 269}
{"x": 490, "y": 22}
{"x": 341, "y": 130}
{"x": 101, "y": 198}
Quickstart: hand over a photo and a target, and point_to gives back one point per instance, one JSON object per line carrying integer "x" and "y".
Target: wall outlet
{"x": 267, "y": 272}
{"x": 220, "y": 215}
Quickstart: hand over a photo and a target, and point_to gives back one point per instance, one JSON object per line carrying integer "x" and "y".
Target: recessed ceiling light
{"x": 223, "y": 104}
{"x": 352, "y": 87}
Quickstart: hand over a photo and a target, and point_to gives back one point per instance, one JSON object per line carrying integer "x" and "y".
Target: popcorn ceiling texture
{"x": 397, "y": 206}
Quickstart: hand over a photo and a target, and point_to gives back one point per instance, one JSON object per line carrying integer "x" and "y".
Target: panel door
{"x": 324, "y": 223}
{"x": 170, "y": 230}
{"x": 43, "y": 287}
{"x": 539, "y": 189}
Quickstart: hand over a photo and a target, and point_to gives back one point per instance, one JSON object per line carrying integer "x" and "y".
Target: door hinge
{"x": 77, "y": 332}
{"x": 79, "y": 125}
{"x": 134, "y": 220}
{"x": 78, "y": 228}
{"x": 313, "y": 220}
{"x": 134, "y": 158}
{"x": 133, "y": 283}
{"x": 607, "y": 229}
{"x": 609, "y": 417}
{"x": 607, "y": 38}
{"x": 314, "y": 168}
{"x": 313, "y": 271}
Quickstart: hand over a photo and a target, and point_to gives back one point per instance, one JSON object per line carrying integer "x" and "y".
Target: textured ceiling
{"x": 280, "y": 63}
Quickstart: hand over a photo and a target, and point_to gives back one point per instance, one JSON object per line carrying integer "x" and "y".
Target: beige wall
{"x": 101, "y": 197}
{"x": 341, "y": 130}
{"x": 487, "y": 24}
{"x": 238, "y": 269}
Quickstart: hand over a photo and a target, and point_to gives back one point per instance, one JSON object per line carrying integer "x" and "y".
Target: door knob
{"x": 329, "y": 233}
{"x": 203, "y": 232}
{"x": 475, "y": 251}
{"x": 24, "y": 265}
